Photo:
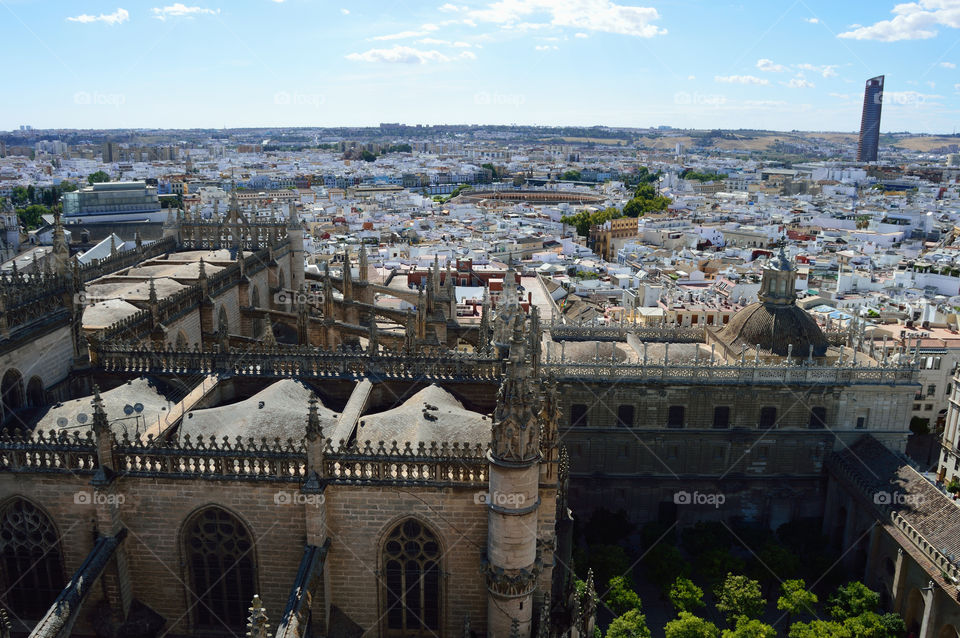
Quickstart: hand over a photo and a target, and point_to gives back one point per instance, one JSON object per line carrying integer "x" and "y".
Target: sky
{"x": 684, "y": 63}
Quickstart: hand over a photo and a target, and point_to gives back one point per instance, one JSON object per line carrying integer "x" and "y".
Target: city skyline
{"x": 576, "y": 62}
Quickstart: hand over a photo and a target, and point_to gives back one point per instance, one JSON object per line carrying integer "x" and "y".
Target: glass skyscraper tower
{"x": 870, "y": 120}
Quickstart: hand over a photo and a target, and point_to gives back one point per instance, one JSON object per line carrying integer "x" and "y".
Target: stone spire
{"x": 363, "y": 263}
{"x": 113, "y": 244}
{"x": 257, "y": 624}
{"x": 61, "y": 251}
{"x": 303, "y": 320}
{"x": 103, "y": 436}
{"x": 512, "y": 562}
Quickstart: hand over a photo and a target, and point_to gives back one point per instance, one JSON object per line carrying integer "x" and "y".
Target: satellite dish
{"x": 128, "y": 409}
{"x": 138, "y": 407}
{"x": 62, "y": 422}
{"x": 81, "y": 418}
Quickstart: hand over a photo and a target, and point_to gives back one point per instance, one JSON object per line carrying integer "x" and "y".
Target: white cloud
{"x": 400, "y": 54}
{"x": 911, "y": 21}
{"x": 546, "y": 47}
{"x": 691, "y": 77}
{"x": 580, "y": 35}
{"x": 740, "y": 79}
{"x": 800, "y": 83}
{"x": 948, "y": 65}
{"x": 400, "y": 36}
{"x": 180, "y": 10}
{"x": 451, "y": 8}
{"x": 446, "y": 43}
{"x": 345, "y": 12}
{"x": 842, "y": 96}
{"x": 826, "y": 70}
{"x": 767, "y": 65}
{"x": 117, "y": 17}
{"x": 587, "y": 15}
{"x": 812, "y": 20}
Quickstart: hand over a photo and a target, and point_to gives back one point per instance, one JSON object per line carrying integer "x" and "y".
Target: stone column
{"x": 314, "y": 493}
{"x": 899, "y": 580}
{"x": 928, "y": 627}
{"x": 108, "y": 500}
{"x": 512, "y": 565}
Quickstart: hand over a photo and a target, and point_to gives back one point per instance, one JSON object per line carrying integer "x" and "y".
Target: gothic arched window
{"x": 31, "y": 567}
{"x": 219, "y": 553}
{"x": 411, "y": 563}
{"x": 223, "y": 325}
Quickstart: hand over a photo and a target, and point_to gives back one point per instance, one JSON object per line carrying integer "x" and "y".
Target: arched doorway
{"x": 915, "y": 608}
{"x": 411, "y": 565}
{"x": 35, "y": 394}
{"x": 31, "y": 565}
{"x": 223, "y": 578}
{"x": 11, "y": 392}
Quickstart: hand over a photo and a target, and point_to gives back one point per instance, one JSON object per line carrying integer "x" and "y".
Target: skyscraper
{"x": 870, "y": 120}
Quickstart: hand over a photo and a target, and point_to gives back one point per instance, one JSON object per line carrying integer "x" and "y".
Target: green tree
{"x": 583, "y": 220}
{"x": 19, "y": 196}
{"x": 644, "y": 176}
{"x": 750, "y": 628}
{"x": 30, "y": 217}
{"x": 632, "y": 624}
{"x": 818, "y": 629}
{"x": 739, "y": 596}
{"x": 685, "y": 595}
{"x": 571, "y": 176}
{"x": 851, "y": 600}
{"x": 873, "y": 625}
{"x": 620, "y": 596}
{"x": 368, "y": 156}
{"x": 795, "y": 599}
{"x": 715, "y": 564}
{"x": 689, "y": 626}
{"x": 67, "y": 187}
{"x": 98, "y": 177}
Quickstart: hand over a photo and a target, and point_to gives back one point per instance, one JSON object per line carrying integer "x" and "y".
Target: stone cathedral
{"x": 203, "y": 438}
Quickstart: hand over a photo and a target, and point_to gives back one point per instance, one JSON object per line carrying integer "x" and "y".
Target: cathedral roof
{"x": 277, "y": 411}
{"x": 432, "y": 414}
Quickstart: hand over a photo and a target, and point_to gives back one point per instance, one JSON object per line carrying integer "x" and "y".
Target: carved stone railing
{"x": 617, "y": 332}
{"x": 442, "y": 464}
{"x": 113, "y": 263}
{"x": 299, "y": 361}
{"x": 57, "y": 452}
{"x": 748, "y": 373}
{"x": 456, "y": 464}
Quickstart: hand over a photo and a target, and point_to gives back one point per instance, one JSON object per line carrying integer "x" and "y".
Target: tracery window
{"x": 31, "y": 566}
{"x": 411, "y": 561}
{"x": 220, "y": 558}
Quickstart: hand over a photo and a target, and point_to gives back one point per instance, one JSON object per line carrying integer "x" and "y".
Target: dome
{"x": 774, "y": 327}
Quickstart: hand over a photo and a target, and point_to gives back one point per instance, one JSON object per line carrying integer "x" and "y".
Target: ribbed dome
{"x": 774, "y": 327}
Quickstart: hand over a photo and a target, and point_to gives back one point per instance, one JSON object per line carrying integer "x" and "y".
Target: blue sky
{"x": 684, "y": 63}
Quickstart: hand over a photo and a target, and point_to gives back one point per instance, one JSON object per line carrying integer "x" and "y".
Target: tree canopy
{"x": 98, "y": 177}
